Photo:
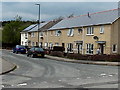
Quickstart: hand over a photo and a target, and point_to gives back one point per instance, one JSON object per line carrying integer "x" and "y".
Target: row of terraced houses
{"x": 83, "y": 34}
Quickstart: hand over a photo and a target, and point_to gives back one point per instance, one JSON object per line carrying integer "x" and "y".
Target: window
{"x": 51, "y": 33}
{"x": 80, "y": 30}
{"x": 101, "y": 29}
{"x": 90, "y": 30}
{"x": 32, "y": 43}
{"x": 45, "y": 33}
{"x": 56, "y": 44}
{"x": 25, "y": 35}
{"x": 40, "y": 44}
{"x": 89, "y": 49}
{"x": 40, "y": 34}
{"x": 32, "y": 34}
{"x": 46, "y": 45}
{"x": 114, "y": 48}
{"x": 51, "y": 45}
{"x": 70, "y": 47}
{"x": 57, "y": 33}
{"x": 70, "y": 32}
{"x": 79, "y": 46}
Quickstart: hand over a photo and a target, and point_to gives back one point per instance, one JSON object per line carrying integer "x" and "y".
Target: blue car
{"x": 19, "y": 49}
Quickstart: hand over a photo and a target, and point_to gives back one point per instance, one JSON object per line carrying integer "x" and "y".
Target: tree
{"x": 11, "y": 31}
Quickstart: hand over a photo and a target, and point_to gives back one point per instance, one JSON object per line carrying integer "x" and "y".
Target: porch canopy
{"x": 101, "y": 42}
{"x": 78, "y": 41}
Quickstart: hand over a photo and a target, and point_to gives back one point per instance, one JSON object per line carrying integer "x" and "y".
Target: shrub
{"x": 113, "y": 58}
{"x": 57, "y": 53}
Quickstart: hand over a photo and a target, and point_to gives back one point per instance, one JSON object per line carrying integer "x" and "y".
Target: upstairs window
{"x": 80, "y": 30}
{"x": 32, "y": 34}
{"x": 70, "y": 32}
{"x": 40, "y": 34}
{"x": 90, "y": 30}
{"x": 25, "y": 35}
{"x": 57, "y": 33}
{"x": 101, "y": 29}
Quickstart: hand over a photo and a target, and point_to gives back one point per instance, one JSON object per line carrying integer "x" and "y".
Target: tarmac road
{"x": 47, "y": 73}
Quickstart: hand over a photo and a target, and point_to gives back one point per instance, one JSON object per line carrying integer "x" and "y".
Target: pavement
{"x": 10, "y": 66}
{"x": 6, "y": 66}
{"x": 83, "y": 61}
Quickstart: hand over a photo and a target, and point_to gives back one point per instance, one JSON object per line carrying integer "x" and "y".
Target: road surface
{"x": 47, "y": 73}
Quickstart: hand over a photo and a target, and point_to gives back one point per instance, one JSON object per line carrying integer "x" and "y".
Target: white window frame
{"x": 115, "y": 48}
{"x": 40, "y": 34}
{"x": 51, "y": 33}
{"x": 32, "y": 34}
{"x": 89, "y": 48}
{"x": 70, "y": 32}
{"x": 56, "y": 44}
{"x": 101, "y": 29}
{"x": 51, "y": 45}
{"x": 32, "y": 43}
{"x": 70, "y": 45}
{"x": 56, "y": 33}
{"x": 26, "y": 35}
{"x": 90, "y": 30}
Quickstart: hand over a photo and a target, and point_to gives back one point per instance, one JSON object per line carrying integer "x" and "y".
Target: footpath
{"x": 6, "y": 66}
{"x": 84, "y": 61}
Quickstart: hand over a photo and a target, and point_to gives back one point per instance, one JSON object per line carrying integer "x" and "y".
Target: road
{"x": 47, "y": 73}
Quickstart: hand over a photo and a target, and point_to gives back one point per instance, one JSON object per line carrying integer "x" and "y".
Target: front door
{"x": 101, "y": 48}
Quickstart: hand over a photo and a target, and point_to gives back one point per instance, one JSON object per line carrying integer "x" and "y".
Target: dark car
{"x": 19, "y": 49}
{"x": 36, "y": 52}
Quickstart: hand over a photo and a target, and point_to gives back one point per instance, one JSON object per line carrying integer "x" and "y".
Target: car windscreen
{"x": 20, "y": 47}
{"x": 39, "y": 49}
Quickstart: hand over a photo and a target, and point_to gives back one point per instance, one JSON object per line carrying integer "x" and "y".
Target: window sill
{"x": 114, "y": 51}
{"x": 89, "y": 34}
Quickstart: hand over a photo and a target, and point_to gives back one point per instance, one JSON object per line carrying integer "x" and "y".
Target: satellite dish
{"x": 95, "y": 37}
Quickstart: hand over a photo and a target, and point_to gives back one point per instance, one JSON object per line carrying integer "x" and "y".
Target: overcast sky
{"x": 52, "y": 10}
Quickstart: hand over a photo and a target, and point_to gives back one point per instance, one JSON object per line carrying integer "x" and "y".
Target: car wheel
{"x": 27, "y": 55}
{"x": 16, "y": 52}
{"x": 43, "y": 56}
{"x": 32, "y": 55}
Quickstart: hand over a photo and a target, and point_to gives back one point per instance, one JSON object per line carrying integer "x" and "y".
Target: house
{"x": 37, "y": 36}
{"x": 24, "y": 35}
{"x": 84, "y": 34}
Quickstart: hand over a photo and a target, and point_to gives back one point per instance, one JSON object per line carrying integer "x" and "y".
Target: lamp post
{"x": 38, "y": 22}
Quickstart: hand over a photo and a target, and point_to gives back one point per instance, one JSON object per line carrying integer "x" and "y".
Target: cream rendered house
{"x": 86, "y": 33}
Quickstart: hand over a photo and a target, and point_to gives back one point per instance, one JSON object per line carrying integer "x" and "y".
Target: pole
{"x": 38, "y": 22}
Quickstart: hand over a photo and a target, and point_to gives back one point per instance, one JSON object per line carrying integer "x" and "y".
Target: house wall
{"x": 115, "y": 35}
{"x": 33, "y": 39}
{"x": 24, "y": 39}
{"x": 63, "y": 38}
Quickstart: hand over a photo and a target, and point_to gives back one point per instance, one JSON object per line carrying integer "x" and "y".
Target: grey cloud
{"x": 51, "y": 10}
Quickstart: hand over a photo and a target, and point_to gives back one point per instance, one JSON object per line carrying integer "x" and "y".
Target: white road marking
{"x": 22, "y": 84}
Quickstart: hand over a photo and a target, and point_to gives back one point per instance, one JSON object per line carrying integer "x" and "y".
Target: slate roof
{"x": 36, "y": 28}
{"x": 29, "y": 27}
{"x": 104, "y": 17}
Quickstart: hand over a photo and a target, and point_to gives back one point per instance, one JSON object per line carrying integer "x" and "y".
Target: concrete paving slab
{"x": 6, "y": 66}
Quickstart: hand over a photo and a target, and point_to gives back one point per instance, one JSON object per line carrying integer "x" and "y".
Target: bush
{"x": 113, "y": 58}
{"x": 57, "y": 53}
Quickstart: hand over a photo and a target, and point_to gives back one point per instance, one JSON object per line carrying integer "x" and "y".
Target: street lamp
{"x": 38, "y": 22}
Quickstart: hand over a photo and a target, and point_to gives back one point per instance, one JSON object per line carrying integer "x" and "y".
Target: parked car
{"x": 36, "y": 52}
{"x": 19, "y": 49}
